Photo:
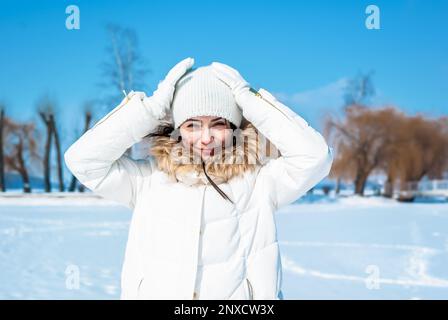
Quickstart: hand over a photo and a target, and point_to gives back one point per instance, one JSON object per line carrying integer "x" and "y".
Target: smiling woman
{"x": 204, "y": 137}
{"x": 201, "y": 229}
{"x": 207, "y": 134}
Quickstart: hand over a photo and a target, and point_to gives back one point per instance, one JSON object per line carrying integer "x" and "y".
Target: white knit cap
{"x": 201, "y": 93}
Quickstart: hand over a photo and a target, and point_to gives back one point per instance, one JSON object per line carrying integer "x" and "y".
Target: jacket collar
{"x": 172, "y": 158}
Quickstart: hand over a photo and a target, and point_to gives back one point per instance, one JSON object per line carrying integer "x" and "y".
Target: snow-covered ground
{"x": 344, "y": 248}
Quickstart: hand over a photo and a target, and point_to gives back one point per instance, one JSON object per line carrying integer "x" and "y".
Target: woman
{"x": 204, "y": 199}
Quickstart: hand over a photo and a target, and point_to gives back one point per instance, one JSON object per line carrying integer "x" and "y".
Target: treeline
{"x": 387, "y": 141}
{"x": 35, "y": 147}
{"x": 27, "y": 149}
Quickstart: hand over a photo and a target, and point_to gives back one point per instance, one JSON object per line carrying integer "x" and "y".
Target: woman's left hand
{"x": 233, "y": 79}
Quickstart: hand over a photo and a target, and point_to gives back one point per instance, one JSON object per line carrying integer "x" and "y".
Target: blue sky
{"x": 302, "y": 51}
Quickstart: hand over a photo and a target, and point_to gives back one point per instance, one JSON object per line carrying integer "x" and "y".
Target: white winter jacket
{"x": 185, "y": 240}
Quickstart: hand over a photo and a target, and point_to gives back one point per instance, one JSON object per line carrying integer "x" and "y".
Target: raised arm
{"x": 305, "y": 156}
{"x": 97, "y": 158}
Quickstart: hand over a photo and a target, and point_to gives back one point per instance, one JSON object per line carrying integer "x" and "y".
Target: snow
{"x": 71, "y": 246}
{"x": 364, "y": 248}
{"x": 44, "y": 246}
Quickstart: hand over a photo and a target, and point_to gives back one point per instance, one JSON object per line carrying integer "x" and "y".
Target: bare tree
{"x": 124, "y": 69}
{"x": 341, "y": 164}
{"x": 59, "y": 161}
{"x": 443, "y": 124}
{"x": 393, "y": 122}
{"x": 359, "y": 141}
{"x": 353, "y": 162}
{"x": 2, "y": 163}
{"x": 87, "y": 121}
{"x": 46, "y": 113}
{"x": 359, "y": 89}
{"x": 21, "y": 149}
{"x": 426, "y": 149}
{"x": 405, "y": 148}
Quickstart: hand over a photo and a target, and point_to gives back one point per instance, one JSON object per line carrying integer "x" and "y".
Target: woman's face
{"x": 206, "y": 135}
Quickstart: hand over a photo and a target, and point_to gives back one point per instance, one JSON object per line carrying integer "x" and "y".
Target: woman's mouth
{"x": 206, "y": 150}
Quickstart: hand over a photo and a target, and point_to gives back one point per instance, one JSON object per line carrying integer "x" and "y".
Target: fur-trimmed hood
{"x": 245, "y": 154}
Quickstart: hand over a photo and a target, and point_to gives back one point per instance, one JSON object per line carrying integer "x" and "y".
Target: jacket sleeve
{"x": 305, "y": 156}
{"x": 97, "y": 158}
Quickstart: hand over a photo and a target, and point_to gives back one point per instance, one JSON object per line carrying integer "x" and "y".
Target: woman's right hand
{"x": 162, "y": 97}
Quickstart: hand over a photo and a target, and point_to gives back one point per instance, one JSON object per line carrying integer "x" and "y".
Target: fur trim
{"x": 245, "y": 155}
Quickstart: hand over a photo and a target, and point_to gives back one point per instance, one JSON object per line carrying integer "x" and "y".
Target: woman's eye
{"x": 197, "y": 126}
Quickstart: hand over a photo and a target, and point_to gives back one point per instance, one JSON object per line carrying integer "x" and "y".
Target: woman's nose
{"x": 206, "y": 136}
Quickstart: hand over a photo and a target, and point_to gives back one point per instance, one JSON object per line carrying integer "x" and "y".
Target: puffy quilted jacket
{"x": 185, "y": 240}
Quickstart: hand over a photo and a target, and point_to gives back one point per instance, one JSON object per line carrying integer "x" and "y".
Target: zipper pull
{"x": 270, "y": 99}
{"x": 122, "y": 103}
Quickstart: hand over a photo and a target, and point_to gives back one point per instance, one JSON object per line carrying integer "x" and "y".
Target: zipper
{"x": 125, "y": 100}
{"x": 200, "y": 224}
{"x": 139, "y": 285}
{"x": 251, "y": 291}
{"x": 259, "y": 95}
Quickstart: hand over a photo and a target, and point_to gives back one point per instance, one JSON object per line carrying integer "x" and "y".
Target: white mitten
{"x": 230, "y": 76}
{"x": 161, "y": 99}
